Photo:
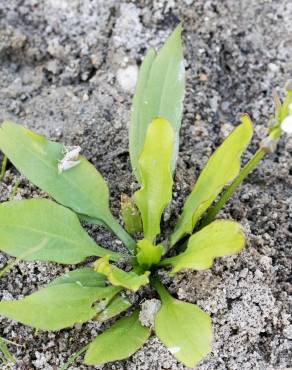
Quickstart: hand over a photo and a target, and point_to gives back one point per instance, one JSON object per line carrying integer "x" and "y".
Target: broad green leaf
{"x": 119, "y": 304}
{"x": 138, "y": 126}
{"x": 39, "y": 229}
{"x": 184, "y": 329}
{"x": 218, "y": 239}
{"x": 84, "y": 276}
{"x": 118, "y": 277}
{"x": 221, "y": 169}
{"x": 57, "y": 306}
{"x": 81, "y": 188}
{"x": 156, "y": 177}
{"x": 120, "y": 341}
{"x": 148, "y": 254}
{"x": 159, "y": 93}
{"x": 131, "y": 215}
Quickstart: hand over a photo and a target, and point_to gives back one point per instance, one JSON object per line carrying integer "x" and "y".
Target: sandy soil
{"x": 67, "y": 69}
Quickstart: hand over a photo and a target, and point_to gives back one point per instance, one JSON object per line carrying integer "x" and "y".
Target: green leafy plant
{"x": 44, "y": 230}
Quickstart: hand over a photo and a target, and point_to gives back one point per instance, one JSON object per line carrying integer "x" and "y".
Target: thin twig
{"x": 3, "y": 168}
{"x": 8, "y": 267}
{"x": 14, "y": 190}
{"x": 74, "y": 357}
{"x": 8, "y": 357}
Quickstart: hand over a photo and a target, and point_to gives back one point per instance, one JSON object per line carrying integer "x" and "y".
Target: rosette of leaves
{"x": 47, "y": 230}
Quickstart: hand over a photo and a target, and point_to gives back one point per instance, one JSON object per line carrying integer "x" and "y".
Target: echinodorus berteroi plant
{"x": 44, "y": 230}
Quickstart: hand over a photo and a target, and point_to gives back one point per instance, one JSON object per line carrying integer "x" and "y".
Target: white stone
{"x": 273, "y": 67}
{"x": 127, "y": 77}
{"x": 148, "y": 312}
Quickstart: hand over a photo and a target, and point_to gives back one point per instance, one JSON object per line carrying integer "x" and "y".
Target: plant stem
{"x": 14, "y": 190}
{"x": 10, "y": 342}
{"x": 14, "y": 262}
{"x": 8, "y": 357}
{"x": 121, "y": 233}
{"x": 249, "y": 167}
{"x": 113, "y": 225}
{"x": 160, "y": 288}
{"x": 3, "y": 168}
{"x": 72, "y": 358}
{"x": 8, "y": 267}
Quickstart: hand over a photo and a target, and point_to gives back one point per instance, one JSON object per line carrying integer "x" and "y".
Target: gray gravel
{"x": 68, "y": 69}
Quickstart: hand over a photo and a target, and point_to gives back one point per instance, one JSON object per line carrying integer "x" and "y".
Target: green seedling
{"x": 6, "y": 356}
{"x": 44, "y": 230}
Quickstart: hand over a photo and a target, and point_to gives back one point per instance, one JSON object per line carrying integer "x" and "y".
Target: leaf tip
{"x": 246, "y": 120}
{"x": 179, "y": 28}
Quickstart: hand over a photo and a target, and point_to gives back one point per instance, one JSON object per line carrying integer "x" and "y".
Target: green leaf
{"x": 221, "y": 169}
{"x": 120, "y": 341}
{"x": 156, "y": 177}
{"x": 84, "y": 276}
{"x": 183, "y": 328}
{"x": 87, "y": 277}
{"x": 57, "y": 306}
{"x": 218, "y": 239}
{"x": 159, "y": 93}
{"x": 138, "y": 127}
{"x": 39, "y": 229}
{"x": 119, "y": 304}
{"x": 284, "y": 111}
{"x": 81, "y": 188}
{"x": 149, "y": 254}
{"x": 131, "y": 215}
{"x": 118, "y": 277}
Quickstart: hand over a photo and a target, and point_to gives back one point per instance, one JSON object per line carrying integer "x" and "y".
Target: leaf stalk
{"x": 246, "y": 170}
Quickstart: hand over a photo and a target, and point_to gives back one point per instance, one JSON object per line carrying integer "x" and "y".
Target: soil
{"x": 68, "y": 68}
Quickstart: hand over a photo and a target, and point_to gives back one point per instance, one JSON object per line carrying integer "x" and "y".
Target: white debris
{"x": 286, "y": 125}
{"x": 174, "y": 350}
{"x": 273, "y": 67}
{"x": 85, "y": 97}
{"x": 70, "y": 159}
{"x": 127, "y": 77}
{"x": 149, "y": 309}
